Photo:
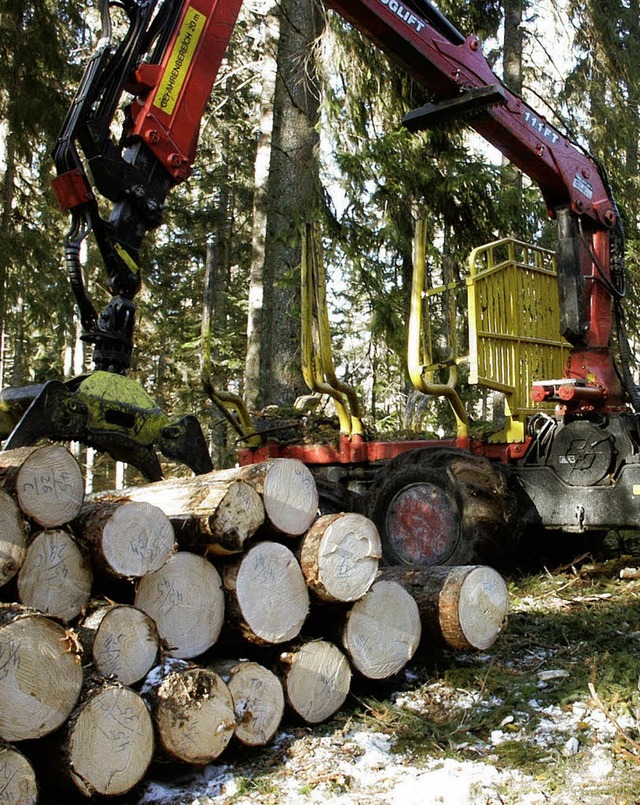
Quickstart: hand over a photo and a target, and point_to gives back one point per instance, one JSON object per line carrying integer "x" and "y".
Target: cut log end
{"x": 474, "y": 608}
{"x": 383, "y": 630}
{"x": 193, "y": 712}
{"x": 258, "y": 701}
{"x": 237, "y": 517}
{"x": 50, "y": 487}
{"x": 186, "y": 601}
{"x": 339, "y": 556}
{"x": 40, "y": 679}
{"x": 55, "y": 577}
{"x": 268, "y": 593}
{"x": 317, "y": 680}
{"x": 137, "y": 539}
{"x": 13, "y": 547}
{"x": 110, "y": 742}
{"x": 19, "y": 784}
{"x": 290, "y": 496}
{"x": 125, "y": 645}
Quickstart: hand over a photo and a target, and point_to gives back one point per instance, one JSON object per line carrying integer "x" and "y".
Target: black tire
{"x": 438, "y": 506}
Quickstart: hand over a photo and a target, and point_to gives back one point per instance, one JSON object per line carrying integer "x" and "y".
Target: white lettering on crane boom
{"x": 405, "y": 15}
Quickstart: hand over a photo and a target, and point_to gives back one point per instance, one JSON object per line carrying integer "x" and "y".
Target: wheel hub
{"x": 423, "y": 524}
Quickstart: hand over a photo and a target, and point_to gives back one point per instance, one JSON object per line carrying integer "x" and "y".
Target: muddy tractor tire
{"x": 444, "y": 507}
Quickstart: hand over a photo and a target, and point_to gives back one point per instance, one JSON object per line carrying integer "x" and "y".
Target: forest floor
{"x": 548, "y": 715}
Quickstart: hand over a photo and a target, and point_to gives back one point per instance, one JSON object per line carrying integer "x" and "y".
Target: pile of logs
{"x": 166, "y": 620}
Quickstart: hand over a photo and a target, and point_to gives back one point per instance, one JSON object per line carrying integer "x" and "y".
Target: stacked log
{"x": 185, "y": 599}
{"x": 107, "y": 744}
{"x": 130, "y": 605}
{"x": 19, "y": 781}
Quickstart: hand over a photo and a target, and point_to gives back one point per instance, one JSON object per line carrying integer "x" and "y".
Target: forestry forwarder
{"x": 568, "y": 461}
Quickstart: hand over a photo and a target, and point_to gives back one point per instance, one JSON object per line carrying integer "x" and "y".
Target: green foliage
{"x": 35, "y": 310}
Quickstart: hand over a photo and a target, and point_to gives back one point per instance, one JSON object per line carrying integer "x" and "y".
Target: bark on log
{"x": 339, "y": 556}
{"x": 123, "y": 641}
{"x": 382, "y": 631}
{"x": 258, "y": 700}
{"x": 127, "y": 540}
{"x": 47, "y": 482}
{"x": 55, "y": 577}
{"x": 217, "y": 514}
{"x": 267, "y": 598}
{"x": 40, "y": 674}
{"x": 317, "y": 679}
{"x": 13, "y": 541}
{"x": 107, "y": 744}
{"x": 18, "y": 784}
{"x": 192, "y": 709}
{"x": 466, "y": 606}
{"x": 186, "y": 601}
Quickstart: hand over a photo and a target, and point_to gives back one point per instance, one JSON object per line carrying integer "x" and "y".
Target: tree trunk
{"x": 293, "y": 196}
{"x": 217, "y": 511}
{"x": 192, "y": 709}
{"x": 254, "y": 357}
{"x": 123, "y": 641}
{"x": 186, "y": 601}
{"x": 339, "y": 556}
{"x": 382, "y": 631}
{"x": 317, "y": 679}
{"x": 267, "y": 597}
{"x": 47, "y": 482}
{"x": 127, "y": 540}
{"x": 55, "y": 577}
{"x": 108, "y": 742}
{"x": 18, "y": 778}
{"x": 258, "y": 700}
{"x": 13, "y": 541}
{"x": 513, "y": 77}
{"x": 41, "y": 674}
{"x": 466, "y": 607}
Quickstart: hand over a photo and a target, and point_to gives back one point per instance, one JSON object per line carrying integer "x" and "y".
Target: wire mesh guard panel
{"x": 514, "y": 320}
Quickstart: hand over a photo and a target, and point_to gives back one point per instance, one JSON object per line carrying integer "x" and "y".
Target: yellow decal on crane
{"x": 180, "y": 60}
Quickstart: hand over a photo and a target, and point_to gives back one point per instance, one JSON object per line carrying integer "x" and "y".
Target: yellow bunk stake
{"x": 418, "y": 369}
{"x": 318, "y": 368}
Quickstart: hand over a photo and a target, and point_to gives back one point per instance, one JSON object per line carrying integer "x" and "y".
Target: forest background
{"x": 303, "y": 125}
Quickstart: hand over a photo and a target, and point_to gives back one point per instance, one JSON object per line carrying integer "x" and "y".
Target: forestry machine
{"x": 541, "y": 324}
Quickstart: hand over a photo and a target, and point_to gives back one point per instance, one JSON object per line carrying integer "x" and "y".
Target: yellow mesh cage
{"x": 514, "y": 321}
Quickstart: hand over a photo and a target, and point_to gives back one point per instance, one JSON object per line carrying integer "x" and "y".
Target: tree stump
{"x": 18, "y": 784}
{"x": 47, "y": 481}
{"x": 466, "y": 607}
{"x": 123, "y": 641}
{"x": 192, "y": 709}
{"x": 186, "y": 601}
{"x": 288, "y": 491}
{"x": 258, "y": 700}
{"x": 127, "y": 540}
{"x": 317, "y": 679}
{"x": 55, "y": 577}
{"x": 13, "y": 541}
{"x": 40, "y": 674}
{"x": 339, "y": 556}
{"x": 108, "y": 742}
{"x": 382, "y": 631}
{"x": 267, "y": 597}
{"x": 216, "y": 514}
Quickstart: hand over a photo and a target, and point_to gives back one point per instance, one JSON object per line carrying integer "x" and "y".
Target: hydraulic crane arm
{"x": 454, "y": 70}
{"x": 168, "y": 63}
